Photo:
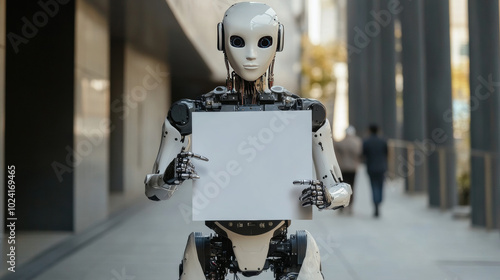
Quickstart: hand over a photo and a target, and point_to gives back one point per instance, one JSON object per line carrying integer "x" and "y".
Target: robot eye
{"x": 265, "y": 42}
{"x": 237, "y": 42}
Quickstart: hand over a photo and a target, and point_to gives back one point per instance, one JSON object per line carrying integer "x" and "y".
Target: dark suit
{"x": 375, "y": 153}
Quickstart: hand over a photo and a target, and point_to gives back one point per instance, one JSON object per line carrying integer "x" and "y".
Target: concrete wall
{"x": 141, "y": 33}
{"x": 39, "y": 101}
{"x": 91, "y": 115}
{"x": 60, "y": 79}
{"x": 146, "y": 103}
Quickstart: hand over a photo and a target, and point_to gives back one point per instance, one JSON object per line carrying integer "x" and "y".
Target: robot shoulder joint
{"x": 180, "y": 117}
{"x": 318, "y": 112}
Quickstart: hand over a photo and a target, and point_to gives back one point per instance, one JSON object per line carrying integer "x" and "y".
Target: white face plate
{"x": 250, "y": 38}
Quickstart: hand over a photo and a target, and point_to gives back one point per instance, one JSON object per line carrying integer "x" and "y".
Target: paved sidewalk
{"x": 408, "y": 241}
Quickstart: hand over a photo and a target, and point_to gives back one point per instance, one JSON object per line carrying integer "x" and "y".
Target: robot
{"x": 249, "y": 37}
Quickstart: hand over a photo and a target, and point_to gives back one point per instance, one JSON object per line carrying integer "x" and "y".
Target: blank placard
{"x": 254, "y": 157}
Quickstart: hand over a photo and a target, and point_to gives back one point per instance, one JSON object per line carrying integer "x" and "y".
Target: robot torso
{"x": 222, "y": 100}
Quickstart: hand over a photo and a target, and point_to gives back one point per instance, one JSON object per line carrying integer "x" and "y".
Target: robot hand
{"x": 315, "y": 194}
{"x": 181, "y": 168}
{"x": 341, "y": 193}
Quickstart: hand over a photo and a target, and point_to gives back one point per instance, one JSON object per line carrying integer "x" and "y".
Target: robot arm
{"x": 172, "y": 165}
{"x": 172, "y": 143}
{"x": 328, "y": 191}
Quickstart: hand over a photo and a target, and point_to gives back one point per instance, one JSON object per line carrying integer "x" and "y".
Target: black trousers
{"x": 377, "y": 182}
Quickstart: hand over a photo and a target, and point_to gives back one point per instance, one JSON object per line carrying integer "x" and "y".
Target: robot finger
{"x": 186, "y": 176}
{"x": 200, "y": 157}
{"x": 313, "y": 201}
{"x": 186, "y": 170}
{"x": 307, "y": 182}
{"x": 186, "y": 166}
{"x": 306, "y": 196}
{"x": 307, "y": 203}
{"x": 318, "y": 193}
{"x": 192, "y": 155}
{"x": 181, "y": 162}
{"x": 314, "y": 190}
{"x": 301, "y": 182}
{"x": 306, "y": 191}
{"x": 184, "y": 154}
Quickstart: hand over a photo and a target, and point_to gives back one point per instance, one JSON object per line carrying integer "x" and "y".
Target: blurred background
{"x": 86, "y": 84}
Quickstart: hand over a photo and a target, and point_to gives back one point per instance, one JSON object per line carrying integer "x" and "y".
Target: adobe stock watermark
{"x": 96, "y": 136}
{"x": 31, "y": 26}
{"x": 428, "y": 146}
{"x": 151, "y": 81}
{"x": 423, "y": 149}
{"x": 381, "y": 19}
{"x": 248, "y": 150}
{"x": 482, "y": 92}
{"x": 327, "y": 245}
{"x": 122, "y": 275}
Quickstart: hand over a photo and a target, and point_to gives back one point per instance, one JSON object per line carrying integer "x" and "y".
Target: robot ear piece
{"x": 281, "y": 38}
{"x": 220, "y": 36}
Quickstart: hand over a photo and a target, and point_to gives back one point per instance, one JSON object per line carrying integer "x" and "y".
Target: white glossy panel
{"x": 146, "y": 103}
{"x": 91, "y": 124}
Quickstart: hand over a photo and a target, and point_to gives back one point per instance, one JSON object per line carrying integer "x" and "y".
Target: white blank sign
{"x": 254, "y": 157}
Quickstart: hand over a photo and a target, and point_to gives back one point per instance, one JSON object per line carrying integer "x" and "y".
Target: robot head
{"x": 250, "y": 35}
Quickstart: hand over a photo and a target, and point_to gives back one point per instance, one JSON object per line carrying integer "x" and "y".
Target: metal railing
{"x": 407, "y": 158}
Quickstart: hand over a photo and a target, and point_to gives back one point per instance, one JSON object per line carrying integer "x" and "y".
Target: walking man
{"x": 375, "y": 153}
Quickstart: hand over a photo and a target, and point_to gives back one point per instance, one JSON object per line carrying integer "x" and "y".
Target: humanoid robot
{"x": 249, "y": 36}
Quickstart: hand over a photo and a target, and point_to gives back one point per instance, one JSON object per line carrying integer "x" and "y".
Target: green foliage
{"x": 318, "y": 66}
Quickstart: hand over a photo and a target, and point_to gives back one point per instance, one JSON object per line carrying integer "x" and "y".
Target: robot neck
{"x": 248, "y": 91}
